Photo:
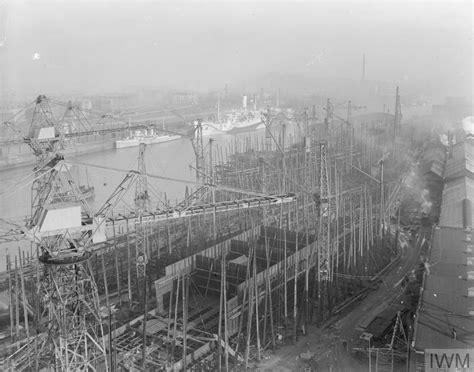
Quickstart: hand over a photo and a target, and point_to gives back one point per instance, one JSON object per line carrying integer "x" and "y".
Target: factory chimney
{"x": 363, "y": 67}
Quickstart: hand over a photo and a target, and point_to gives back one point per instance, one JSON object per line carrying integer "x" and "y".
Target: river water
{"x": 169, "y": 159}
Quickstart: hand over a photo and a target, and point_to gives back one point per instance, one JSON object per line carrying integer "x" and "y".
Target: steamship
{"x": 241, "y": 120}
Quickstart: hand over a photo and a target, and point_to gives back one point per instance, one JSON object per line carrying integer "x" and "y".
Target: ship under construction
{"x": 277, "y": 236}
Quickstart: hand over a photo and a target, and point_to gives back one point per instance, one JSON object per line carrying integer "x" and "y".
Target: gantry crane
{"x": 63, "y": 233}
{"x": 77, "y": 122}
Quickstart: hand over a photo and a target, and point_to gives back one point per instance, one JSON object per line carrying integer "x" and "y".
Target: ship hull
{"x": 236, "y": 124}
{"x": 133, "y": 142}
{"x": 247, "y": 128}
{"x": 212, "y": 129}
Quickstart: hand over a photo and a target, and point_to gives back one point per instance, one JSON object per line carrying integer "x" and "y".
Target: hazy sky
{"x": 61, "y": 46}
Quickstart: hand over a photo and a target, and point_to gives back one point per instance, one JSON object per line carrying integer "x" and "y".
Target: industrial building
{"x": 444, "y": 320}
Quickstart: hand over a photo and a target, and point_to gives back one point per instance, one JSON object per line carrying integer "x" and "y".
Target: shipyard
{"x": 169, "y": 202}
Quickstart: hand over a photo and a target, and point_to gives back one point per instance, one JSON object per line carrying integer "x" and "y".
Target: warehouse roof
{"x": 446, "y": 314}
{"x": 446, "y": 304}
{"x": 459, "y": 183}
{"x": 434, "y": 166}
{"x": 461, "y": 161}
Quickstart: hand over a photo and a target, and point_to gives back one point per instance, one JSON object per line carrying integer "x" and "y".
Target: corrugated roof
{"x": 445, "y": 303}
{"x": 451, "y": 207}
{"x": 435, "y": 153}
{"x": 434, "y": 166}
{"x": 448, "y": 296}
{"x": 455, "y": 284}
{"x": 449, "y": 246}
{"x": 435, "y": 332}
{"x": 461, "y": 162}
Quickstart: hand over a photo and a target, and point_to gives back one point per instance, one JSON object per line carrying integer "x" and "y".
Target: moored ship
{"x": 236, "y": 121}
{"x": 233, "y": 122}
{"x": 147, "y": 136}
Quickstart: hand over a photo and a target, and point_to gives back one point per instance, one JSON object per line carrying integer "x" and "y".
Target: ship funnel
{"x": 244, "y": 102}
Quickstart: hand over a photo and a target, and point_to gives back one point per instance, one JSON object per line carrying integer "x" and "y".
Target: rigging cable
{"x": 178, "y": 180}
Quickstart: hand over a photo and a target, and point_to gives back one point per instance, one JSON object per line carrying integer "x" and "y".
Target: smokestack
{"x": 244, "y": 102}
{"x": 255, "y": 102}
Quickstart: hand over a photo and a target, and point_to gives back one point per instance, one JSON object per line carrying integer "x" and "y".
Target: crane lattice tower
{"x": 62, "y": 227}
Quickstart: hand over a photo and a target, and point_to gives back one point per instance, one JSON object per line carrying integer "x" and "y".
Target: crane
{"x": 184, "y": 209}
{"x": 77, "y": 122}
{"x": 198, "y": 147}
{"x": 69, "y": 330}
{"x": 330, "y": 110}
{"x": 63, "y": 232}
{"x": 88, "y": 122}
{"x": 142, "y": 205}
{"x": 324, "y": 252}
